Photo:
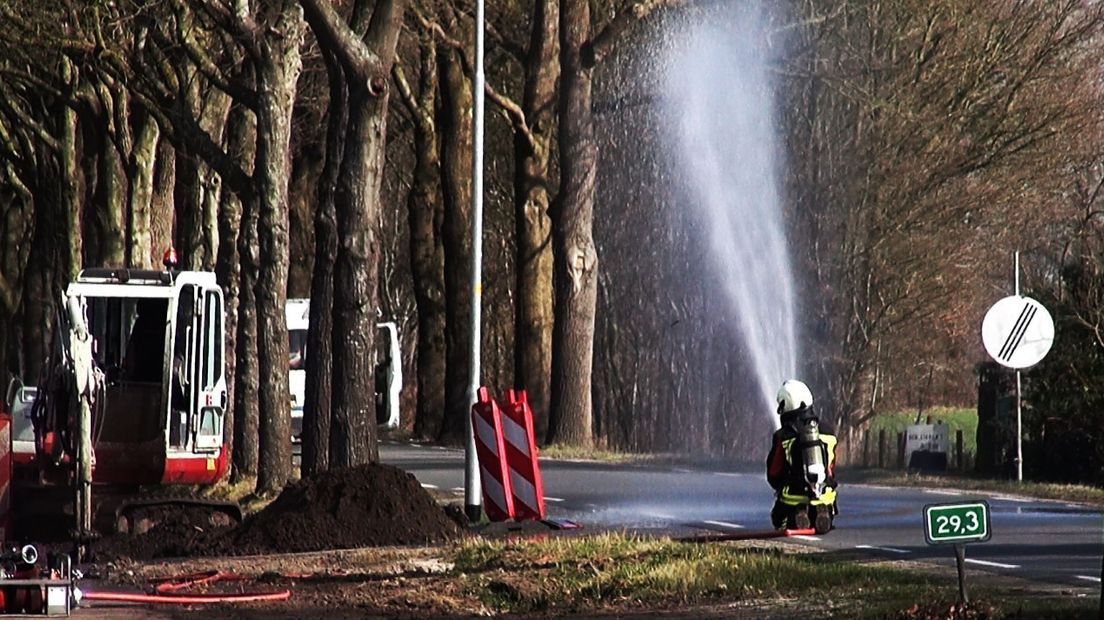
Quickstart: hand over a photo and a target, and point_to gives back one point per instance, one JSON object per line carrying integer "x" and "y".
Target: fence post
{"x": 900, "y": 450}
{"x": 866, "y": 448}
{"x": 960, "y": 463}
{"x": 881, "y": 448}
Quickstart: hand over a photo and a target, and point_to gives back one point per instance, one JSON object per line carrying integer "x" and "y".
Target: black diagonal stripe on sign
{"x": 1016, "y": 337}
{"x": 1020, "y": 336}
{"x": 1015, "y": 328}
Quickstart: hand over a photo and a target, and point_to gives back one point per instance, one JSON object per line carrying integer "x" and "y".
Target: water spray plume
{"x": 724, "y": 134}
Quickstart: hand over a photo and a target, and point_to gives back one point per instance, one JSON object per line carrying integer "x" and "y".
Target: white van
{"x": 388, "y": 368}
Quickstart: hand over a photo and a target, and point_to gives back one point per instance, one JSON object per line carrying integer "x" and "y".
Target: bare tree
{"x": 426, "y": 213}
{"x": 367, "y": 64}
{"x": 936, "y": 115}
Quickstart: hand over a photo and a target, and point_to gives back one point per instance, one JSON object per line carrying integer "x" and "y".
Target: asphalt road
{"x": 1043, "y": 541}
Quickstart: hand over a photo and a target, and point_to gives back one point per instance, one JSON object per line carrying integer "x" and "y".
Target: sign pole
{"x": 960, "y": 560}
{"x": 958, "y": 524}
{"x": 1019, "y": 391}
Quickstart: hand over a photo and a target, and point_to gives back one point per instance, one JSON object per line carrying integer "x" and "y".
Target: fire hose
{"x": 165, "y": 588}
{"x": 711, "y": 538}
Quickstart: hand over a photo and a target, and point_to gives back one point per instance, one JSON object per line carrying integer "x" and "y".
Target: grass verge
{"x": 957, "y": 419}
{"x": 616, "y": 571}
{"x": 561, "y": 451}
{"x": 1042, "y": 490}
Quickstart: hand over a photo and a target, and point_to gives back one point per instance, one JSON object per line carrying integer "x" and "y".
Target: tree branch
{"x": 361, "y": 64}
{"x": 510, "y": 108}
{"x": 602, "y": 44}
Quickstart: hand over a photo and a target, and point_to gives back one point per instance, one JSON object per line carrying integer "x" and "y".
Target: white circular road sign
{"x": 1017, "y": 332}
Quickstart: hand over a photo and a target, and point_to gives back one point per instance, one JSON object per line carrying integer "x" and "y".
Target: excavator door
{"x": 198, "y": 390}
{"x": 211, "y": 384}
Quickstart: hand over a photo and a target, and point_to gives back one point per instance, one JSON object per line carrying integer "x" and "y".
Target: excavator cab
{"x": 133, "y": 396}
{"x": 159, "y": 340}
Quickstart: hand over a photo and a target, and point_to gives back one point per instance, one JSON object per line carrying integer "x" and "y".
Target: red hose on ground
{"x": 185, "y": 599}
{"x": 709, "y": 538}
{"x": 167, "y": 585}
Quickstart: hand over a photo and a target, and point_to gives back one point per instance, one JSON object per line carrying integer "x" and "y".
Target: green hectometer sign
{"x": 957, "y": 523}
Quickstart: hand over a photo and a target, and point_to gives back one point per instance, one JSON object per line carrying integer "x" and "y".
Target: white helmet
{"x": 793, "y": 395}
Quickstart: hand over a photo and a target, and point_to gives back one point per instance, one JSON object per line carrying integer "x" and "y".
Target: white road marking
{"x": 735, "y": 526}
{"x": 1009, "y": 498}
{"x": 942, "y": 492}
{"x": 659, "y": 515}
{"x": 682, "y": 470}
{"x": 457, "y": 489}
{"x": 426, "y": 485}
{"x": 802, "y": 537}
{"x": 553, "y": 499}
{"x": 876, "y": 548}
{"x": 1087, "y": 578}
{"x": 729, "y": 474}
{"x": 994, "y": 564}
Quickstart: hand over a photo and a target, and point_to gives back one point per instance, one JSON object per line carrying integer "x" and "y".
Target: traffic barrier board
{"x": 957, "y": 523}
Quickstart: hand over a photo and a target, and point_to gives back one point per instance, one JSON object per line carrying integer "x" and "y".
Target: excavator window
{"x": 183, "y": 366}
{"x": 145, "y": 358}
{"x": 130, "y": 347}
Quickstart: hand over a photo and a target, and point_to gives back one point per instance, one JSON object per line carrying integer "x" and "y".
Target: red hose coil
{"x": 186, "y": 599}
{"x": 166, "y": 586}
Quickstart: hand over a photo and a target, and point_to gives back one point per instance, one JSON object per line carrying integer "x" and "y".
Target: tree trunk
{"x": 71, "y": 247}
{"x": 534, "y": 318}
{"x": 367, "y": 62}
{"x": 162, "y": 207}
{"x": 277, "y": 73}
{"x": 576, "y": 260}
{"x": 317, "y": 408}
{"x": 455, "y": 130}
{"x": 302, "y": 201}
{"x": 209, "y": 212}
{"x": 425, "y": 211}
{"x": 353, "y": 430}
{"x": 110, "y": 208}
{"x": 188, "y": 191}
{"x": 246, "y": 378}
{"x": 143, "y": 161}
{"x": 18, "y": 241}
{"x": 38, "y": 290}
{"x": 241, "y": 138}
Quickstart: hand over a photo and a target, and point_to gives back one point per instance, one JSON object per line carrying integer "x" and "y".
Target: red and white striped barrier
{"x": 498, "y": 500}
{"x": 521, "y": 458}
{"x": 5, "y": 476}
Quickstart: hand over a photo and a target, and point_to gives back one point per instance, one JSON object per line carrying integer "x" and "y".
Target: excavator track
{"x": 136, "y": 515}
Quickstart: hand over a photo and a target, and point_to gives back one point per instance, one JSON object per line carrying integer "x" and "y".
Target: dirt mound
{"x": 362, "y": 506}
{"x": 369, "y": 505}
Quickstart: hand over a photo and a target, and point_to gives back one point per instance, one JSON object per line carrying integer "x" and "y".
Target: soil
{"x": 364, "y": 506}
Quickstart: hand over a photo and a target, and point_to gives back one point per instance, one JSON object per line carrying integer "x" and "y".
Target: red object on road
{"x": 498, "y": 499}
{"x": 521, "y": 458}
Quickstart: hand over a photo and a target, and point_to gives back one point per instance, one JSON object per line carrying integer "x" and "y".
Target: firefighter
{"x": 801, "y": 463}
